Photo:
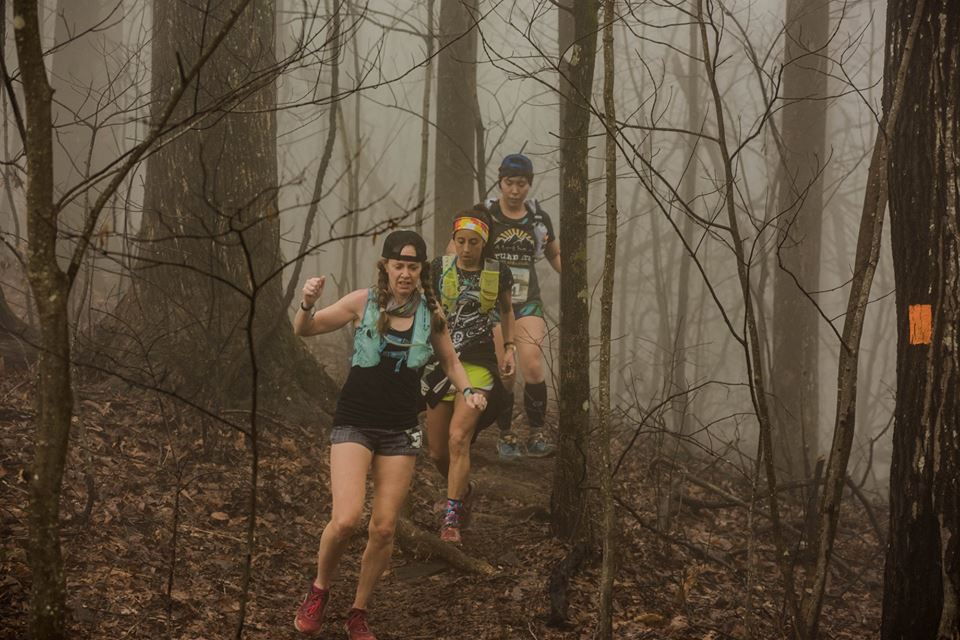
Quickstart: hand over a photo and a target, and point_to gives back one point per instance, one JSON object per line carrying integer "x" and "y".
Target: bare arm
{"x": 347, "y": 309}
{"x": 509, "y": 365}
{"x": 552, "y": 253}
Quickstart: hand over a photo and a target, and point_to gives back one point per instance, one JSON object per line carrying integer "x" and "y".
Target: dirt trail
{"x": 118, "y": 563}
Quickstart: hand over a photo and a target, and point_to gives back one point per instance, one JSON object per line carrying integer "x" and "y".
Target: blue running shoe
{"x": 508, "y": 447}
{"x": 538, "y": 447}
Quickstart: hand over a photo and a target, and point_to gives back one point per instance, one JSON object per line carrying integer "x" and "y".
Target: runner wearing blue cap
{"x": 521, "y": 233}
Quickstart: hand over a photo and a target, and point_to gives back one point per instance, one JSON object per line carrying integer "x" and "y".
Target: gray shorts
{"x": 382, "y": 442}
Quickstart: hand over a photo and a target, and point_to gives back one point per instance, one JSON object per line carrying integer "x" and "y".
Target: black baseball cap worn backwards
{"x": 397, "y": 240}
{"x": 516, "y": 165}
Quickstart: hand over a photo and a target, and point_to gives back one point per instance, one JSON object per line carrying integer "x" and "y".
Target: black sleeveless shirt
{"x": 384, "y": 396}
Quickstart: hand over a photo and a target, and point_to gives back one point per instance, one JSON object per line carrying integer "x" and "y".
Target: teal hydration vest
{"x": 368, "y": 343}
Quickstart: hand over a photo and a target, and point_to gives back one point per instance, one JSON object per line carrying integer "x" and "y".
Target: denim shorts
{"x": 382, "y": 442}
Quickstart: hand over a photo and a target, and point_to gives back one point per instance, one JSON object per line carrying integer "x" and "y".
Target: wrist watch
{"x": 304, "y": 307}
{"x": 467, "y": 392}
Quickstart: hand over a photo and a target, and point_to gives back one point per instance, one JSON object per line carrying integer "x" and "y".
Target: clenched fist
{"x": 312, "y": 290}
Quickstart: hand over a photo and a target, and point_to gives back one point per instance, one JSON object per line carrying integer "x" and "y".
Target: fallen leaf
{"x": 651, "y": 619}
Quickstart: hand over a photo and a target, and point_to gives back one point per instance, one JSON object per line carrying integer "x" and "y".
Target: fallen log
{"x": 416, "y": 540}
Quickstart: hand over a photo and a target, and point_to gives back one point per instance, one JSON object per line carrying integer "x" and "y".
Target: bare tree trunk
{"x": 352, "y": 153}
{"x": 51, "y": 288}
{"x": 795, "y": 379}
{"x": 335, "y": 39}
{"x": 578, "y": 50}
{"x": 750, "y": 341}
{"x": 688, "y": 190}
{"x": 454, "y": 171}
{"x": 210, "y": 198}
{"x": 425, "y": 124}
{"x": 609, "y": 528}
{"x": 867, "y": 255}
{"x": 922, "y": 577}
{"x": 481, "y": 144}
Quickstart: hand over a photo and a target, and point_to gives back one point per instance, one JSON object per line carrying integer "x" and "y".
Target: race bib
{"x": 521, "y": 284}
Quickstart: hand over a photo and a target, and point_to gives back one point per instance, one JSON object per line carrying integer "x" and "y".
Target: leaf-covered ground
{"x": 704, "y": 578}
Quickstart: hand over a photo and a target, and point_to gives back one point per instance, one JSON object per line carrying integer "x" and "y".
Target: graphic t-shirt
{"x": 471, "y": 330}
{"x": 519, "y": 244}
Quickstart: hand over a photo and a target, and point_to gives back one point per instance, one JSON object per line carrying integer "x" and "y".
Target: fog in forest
{"x": 206, "y": 225}
{"x": 373, "y": 176}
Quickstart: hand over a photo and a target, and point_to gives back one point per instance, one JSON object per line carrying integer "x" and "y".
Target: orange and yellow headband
{"x": 472, "y": 224}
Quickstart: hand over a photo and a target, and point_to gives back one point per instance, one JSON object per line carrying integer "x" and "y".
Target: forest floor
{"x": 704, "y": 578}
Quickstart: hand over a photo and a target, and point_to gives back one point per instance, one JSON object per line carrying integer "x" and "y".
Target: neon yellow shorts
{"x": 480, "y": 378}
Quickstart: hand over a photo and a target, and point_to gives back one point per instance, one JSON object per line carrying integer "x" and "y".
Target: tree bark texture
{"x": 578, "y": 51}
{"x": 688, "y": 191}
{"x": 454, "y": 171}
{"x": 922, "y": 577}
{"x": 795, "y": 319}
{"x": 209, "y": 242}
{"x": 428, "y": 39}
{"x": 751, "y": 338}
{"x": 51, "y": 290}
{"x": 609, "y": 529}
{"x": 848, "y": 366}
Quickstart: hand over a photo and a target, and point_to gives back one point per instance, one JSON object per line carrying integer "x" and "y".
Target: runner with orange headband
{"x": 472, "y": 287}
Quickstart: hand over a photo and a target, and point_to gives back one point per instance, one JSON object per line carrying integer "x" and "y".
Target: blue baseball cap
{"x": 516, "y": 165}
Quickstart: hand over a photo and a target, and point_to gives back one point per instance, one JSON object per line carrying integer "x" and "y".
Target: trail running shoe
{"x": 310, "y": 613}
{"x": 508, "y": 448}
{"x": 357, "y": 627}
{"x": 450, "y": 529}
{"x": 538, "y": 447}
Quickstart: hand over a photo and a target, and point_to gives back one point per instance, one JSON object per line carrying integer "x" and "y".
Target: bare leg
{"x": 349, "y": 462}
{"x": 531, "y": 338}
{"x": 505, "y": 419}
{"x": 438, "y": 432}
{"x": 391, "y": 482}
{"x": 462, "y": 425}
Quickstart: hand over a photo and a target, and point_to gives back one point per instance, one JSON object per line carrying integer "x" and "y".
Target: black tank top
{"x": 384, "y": 396}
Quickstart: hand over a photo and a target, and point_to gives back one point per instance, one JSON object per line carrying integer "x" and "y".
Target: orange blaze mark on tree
{"x": 921, "y": 324}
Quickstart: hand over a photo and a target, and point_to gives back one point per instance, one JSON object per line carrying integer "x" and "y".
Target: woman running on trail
{"x": 471, "y": 288}
{"x": 520, "y": 234}
{"x": 399, "y": 325}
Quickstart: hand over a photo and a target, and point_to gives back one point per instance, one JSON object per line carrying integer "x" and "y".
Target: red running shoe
{"x": 357, "y": 627}
{"x": 310, "y": 612}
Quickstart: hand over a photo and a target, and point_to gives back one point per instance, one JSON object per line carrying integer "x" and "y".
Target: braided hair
{"x": 438, "y": 321}
{"x": 383, "y": 296}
